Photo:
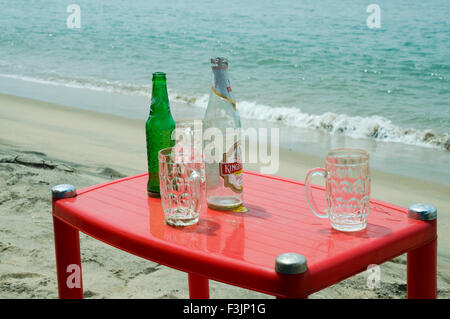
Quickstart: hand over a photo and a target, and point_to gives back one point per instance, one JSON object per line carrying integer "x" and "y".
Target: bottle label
{"x": 230, "y": 169}
{"x": 224, "y": 97}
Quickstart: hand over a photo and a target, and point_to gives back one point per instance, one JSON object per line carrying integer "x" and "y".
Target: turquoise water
{"x": 305, "y": 64}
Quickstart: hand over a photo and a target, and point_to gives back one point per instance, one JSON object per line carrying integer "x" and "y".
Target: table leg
{"x": 422, "y": 272}
{"x": 198, "y": 287}
{"x": 68, "y": 260}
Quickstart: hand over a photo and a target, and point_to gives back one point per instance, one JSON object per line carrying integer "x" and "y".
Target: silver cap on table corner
{"x": 422, "y": 211}
{"x": 291, "y": 264}
{"x": 63, "y": 191}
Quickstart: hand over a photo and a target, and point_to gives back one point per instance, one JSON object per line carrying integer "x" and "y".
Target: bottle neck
{"x": 222, "y": 83}
{"x": 160, "y": 99}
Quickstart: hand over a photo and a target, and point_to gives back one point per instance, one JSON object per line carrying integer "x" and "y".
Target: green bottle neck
{"x": 160, "y": 99}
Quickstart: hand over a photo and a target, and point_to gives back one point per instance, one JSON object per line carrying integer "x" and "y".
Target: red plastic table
{"x": 241, "y": 249}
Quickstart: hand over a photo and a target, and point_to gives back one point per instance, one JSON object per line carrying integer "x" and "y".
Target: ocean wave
{"x": 372, "y": 127}
{"x": 86, "y": 83}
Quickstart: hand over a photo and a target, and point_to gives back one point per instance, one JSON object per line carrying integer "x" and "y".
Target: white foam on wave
{"x": 198, "y": 101}
{"x": 90, "y": 84}
{"x": 372, "y": 127}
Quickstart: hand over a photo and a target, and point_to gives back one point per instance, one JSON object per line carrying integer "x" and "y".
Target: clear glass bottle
{"x": 223, "y": 164}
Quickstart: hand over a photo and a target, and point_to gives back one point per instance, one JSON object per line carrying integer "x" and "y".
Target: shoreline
{"x": 391, "y": 157}
{"x": 102, "y": 146}
{"x": 81, "y": 121}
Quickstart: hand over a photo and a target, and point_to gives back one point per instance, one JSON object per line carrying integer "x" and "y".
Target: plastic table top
{"x": 241, "y": 248}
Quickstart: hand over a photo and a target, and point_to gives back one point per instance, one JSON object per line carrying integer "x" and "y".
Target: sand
{"x": 43, "y": 144}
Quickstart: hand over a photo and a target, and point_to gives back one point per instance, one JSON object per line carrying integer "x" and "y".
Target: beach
{"x": 44, "y": 144}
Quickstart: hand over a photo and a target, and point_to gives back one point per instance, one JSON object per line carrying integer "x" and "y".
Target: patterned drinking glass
{"x": 188, "y": 136}
{"x": 347, "y": 181}
{"x": 180, "y": 187}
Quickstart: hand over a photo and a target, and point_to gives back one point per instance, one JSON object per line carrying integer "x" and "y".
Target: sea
{"x": 367, "y": 74}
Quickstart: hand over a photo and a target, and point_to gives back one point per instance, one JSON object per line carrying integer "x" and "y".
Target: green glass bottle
{"x": 158, "y": 130}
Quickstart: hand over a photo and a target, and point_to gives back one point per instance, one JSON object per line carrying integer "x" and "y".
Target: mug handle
{"x": 312, "y": 204}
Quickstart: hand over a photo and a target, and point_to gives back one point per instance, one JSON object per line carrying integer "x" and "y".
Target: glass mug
{"x": 180, "y": 187}
{"x": 188, "y": 136}
{"x": 347, "y": 181}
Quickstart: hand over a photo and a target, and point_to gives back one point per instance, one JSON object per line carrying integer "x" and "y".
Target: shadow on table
{"x": 371, "y": 231}
{"x": 203, "y": 226}
{"x": 254, "y": 211}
